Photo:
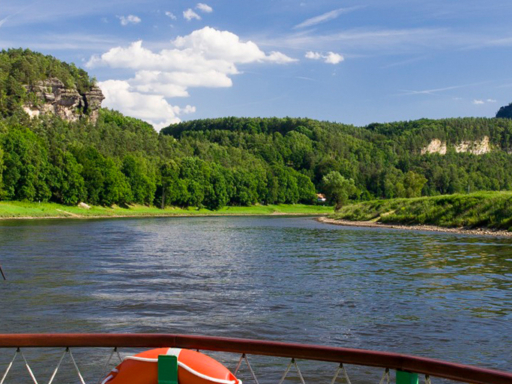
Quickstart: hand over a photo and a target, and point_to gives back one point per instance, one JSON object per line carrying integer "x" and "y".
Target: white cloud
{"x": 175, "y": 84}
{"x": 204, "y": 58}
{"x": 364, "y": 41}
{"x": 438, "y": 90}
{"x": 330, "y": 58}
{"x": 313, "y": 55}
{"x": 188, "y": 109}
{"x": 325, "y": 17}
{"x": 204, "y": 8}
{"x": 481, "y": 101}
{"x": 130, "y": 19}
{"x": 151, "y": 108}
{"x": 333, "y": 58}
{"x": 170, "y": 15}
{"x": 2, "y": 22}
{"x": 221, "y": 45}
{"x": 279, "y": 58}
{"x": 189, "y": 14}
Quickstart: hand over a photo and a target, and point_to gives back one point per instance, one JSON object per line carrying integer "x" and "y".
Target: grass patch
{"x": 20, "y": 209}
{"x": 474, "y": 210}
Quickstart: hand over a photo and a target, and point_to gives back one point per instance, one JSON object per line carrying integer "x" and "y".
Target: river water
{"x": 444, "y": 296}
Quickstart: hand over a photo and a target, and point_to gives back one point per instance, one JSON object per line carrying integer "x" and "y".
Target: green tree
{"x": 26, "y": 166}
{"x": 244, "y": 187}
{"x": 169, "y": 189}
{"x": 116, "y": 188}
{"x": 338, "y": 189}
{"x": 104, "y": 181}
{"x": 65, "y": 180}
{"x": 195, "y": 174}
{"x": 216, "y": 193}
{"x": 413, "y": 184}
{"x": 1, "y": 171}
{"x": 307, "y": 192}
{"x": 93, "y": 174}
{"x": 141, "y": 178}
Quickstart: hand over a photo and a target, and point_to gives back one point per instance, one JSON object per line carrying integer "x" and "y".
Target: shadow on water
{"x": 292, "y": 279}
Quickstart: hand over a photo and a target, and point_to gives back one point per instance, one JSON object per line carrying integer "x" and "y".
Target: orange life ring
{"x": 193, "y": 368}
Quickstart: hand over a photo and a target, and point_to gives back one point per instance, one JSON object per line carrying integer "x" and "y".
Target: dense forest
{"x": 229, "y": 161}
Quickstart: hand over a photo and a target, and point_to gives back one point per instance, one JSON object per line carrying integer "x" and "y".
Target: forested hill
{"x": 401, "y": 159}
{"x": 98, "y": 156}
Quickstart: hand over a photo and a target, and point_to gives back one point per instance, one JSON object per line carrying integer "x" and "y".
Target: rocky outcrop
{"x": 477, "y": 147}
{"x": 92, "y": 102}
{"x": 435, "y": 146}
{"x": 52, "y": 96}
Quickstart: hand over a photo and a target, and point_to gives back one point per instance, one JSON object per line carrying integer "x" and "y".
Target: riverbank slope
{"x": 27, "y": 210}
{"x": 479, "y": 212}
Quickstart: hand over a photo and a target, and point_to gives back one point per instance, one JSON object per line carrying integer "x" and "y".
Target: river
{"x": 444, "y": 296}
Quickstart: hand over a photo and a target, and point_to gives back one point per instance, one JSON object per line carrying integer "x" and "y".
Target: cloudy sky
{"x": 353, "y": 62}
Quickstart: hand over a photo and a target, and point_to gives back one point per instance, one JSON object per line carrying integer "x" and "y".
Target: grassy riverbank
{"x": 19, "y": 210}
{"x": 475, "y": 210}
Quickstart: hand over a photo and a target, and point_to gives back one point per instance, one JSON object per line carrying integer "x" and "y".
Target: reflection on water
{"x": 290, "y": 279}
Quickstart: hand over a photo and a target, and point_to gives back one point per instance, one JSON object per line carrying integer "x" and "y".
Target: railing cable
{"x": 58, "y": 366}
{"x": 239, "y": 363}
{"x": 9, "y": 366}
{"x": 286, "y": 371}
{"x": 341, "y": 367}
{"x": 292, "y": 362}
{"x": 386, "y": 377}
{"x": 242, "y": 358}
{"x": 115, "y": 350}
{"x": 28, "y": 366}
{"x": 76, "y": 367}
{"x": 67, "y": 350}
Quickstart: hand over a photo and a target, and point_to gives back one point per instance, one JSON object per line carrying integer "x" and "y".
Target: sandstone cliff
{"x": 52, "y": 96}
{"x": 477, "y": 147}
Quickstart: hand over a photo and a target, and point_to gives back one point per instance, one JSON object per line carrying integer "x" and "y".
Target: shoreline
{"x": 419, "y": 227}
{"x": 13, "y": 210}
{"x": 77, "y": 217}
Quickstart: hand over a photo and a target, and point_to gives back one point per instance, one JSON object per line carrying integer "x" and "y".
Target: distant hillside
{"x": 57, "y": 144}
{"x": 452, "y": 155}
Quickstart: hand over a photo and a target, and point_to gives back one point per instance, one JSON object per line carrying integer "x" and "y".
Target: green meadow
{"x": 16, "y": 209}
{"x": 474, "y": 210}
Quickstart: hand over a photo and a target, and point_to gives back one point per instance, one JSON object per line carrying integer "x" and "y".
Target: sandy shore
{"x": 431, "y": 228}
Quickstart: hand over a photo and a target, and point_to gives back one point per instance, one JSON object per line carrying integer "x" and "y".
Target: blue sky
{"x": 353, "y": 62}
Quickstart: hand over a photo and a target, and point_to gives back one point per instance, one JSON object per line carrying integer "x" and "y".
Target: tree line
{"x": 229, "y": 161}
{"x": 45, "y": 163}
{"x": 383, "y": 160}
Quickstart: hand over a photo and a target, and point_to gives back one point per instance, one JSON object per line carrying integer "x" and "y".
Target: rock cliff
{"x": 477, "y": 147}
{"x": 52, "y": 96}
{"x": 435, "y": 146}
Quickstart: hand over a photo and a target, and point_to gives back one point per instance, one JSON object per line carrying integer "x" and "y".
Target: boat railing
{"x": 394, "y": 367}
